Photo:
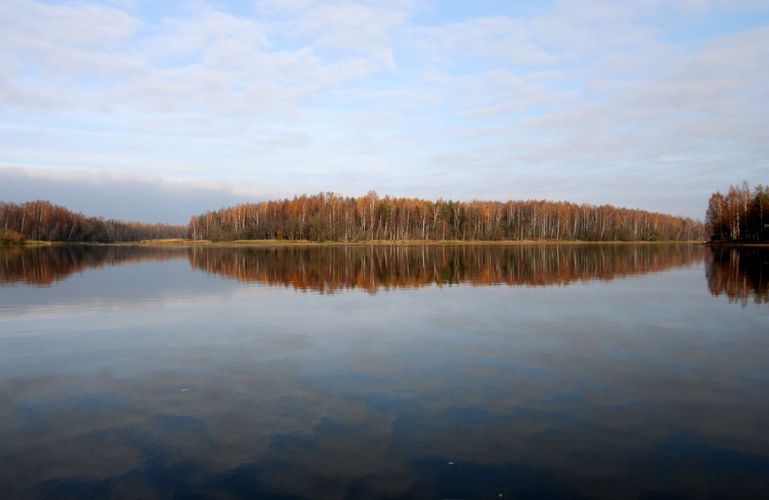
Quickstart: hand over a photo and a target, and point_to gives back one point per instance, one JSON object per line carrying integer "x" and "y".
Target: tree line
{"x": 328, "y": 216}
{"x": 42, "y": 220}
{"x": 331, "y": 217}
{"x": 741, "y": 215}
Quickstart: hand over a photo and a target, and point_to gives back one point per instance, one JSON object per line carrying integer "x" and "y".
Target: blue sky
{"x": 156, "y": 110}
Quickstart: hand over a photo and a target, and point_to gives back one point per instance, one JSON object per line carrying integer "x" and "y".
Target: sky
{"x": 155, "y": 111}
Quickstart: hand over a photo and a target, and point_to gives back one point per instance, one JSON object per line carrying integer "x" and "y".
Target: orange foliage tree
{"x": 741, "y": 215}
{"x": 328, "y": 216}
{"x": 41, "y": 220}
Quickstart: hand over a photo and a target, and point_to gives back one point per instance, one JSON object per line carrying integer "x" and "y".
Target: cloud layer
{"x": 647, "y": 104}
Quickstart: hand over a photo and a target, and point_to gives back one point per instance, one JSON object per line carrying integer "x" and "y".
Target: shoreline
{"x": 738, "y": 244}
{"x": 181, "y": 243}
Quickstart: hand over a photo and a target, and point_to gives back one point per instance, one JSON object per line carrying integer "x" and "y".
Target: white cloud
{"x": 127, "y": 196}
{"x": 307, "y": 95}
{"x": 206, "y": 60}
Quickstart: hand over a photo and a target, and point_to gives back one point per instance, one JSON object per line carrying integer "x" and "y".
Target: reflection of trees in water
{"x": 373, "y": 267}
{"x": 45, "y": 265}
{"x": 739, "y": 273}
{"x": 328, "y": 269}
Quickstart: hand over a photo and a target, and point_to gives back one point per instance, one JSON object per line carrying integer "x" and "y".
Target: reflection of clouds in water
{"x": 301, "y": 440}
{"x": 608, "y": 388}
{"x": 333, "y": 405}
{"x": 219, "y": 425}
{"x": 94, "y": 303}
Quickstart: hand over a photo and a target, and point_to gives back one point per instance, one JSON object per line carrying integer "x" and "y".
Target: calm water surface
{"x": 424, "y": 372}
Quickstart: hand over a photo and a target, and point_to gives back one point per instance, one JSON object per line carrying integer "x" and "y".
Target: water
{"x": 380, "y": 372}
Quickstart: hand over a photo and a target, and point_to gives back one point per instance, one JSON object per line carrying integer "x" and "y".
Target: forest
{"x": 44, "y": 221}
{"x": 740, "y": 216}
{"x": 331, "y": 217}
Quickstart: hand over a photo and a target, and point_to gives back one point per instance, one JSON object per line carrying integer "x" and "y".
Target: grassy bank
{"x": 26, "y": 243}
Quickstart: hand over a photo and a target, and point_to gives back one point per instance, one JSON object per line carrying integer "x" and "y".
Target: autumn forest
{"x": 742, "y": 215}
{"x": 44, "y": 221}
{"x": 336, "y": 218}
